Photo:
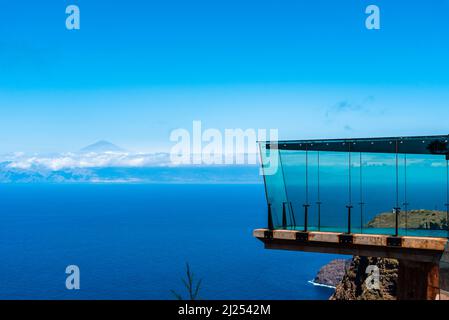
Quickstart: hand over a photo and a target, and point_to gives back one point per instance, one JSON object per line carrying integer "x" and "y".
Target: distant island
{"x": 413, "y": 219}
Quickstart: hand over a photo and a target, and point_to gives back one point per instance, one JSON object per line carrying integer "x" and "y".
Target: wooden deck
{"x": 421, "y": 249}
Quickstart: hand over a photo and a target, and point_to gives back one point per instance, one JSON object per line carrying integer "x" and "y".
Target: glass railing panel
{"x": 294, "y": 170}
{"x": 313, "y": 174}
{"x": 356, "y": 192}
{"x": 426, "y": 190}
{"x": 301, "y": 171}
{"x": 334, "y": 191}
{"x": 275, "y": 187}
{"x": 379, "y": 193}
{"x": 403, "y": 195}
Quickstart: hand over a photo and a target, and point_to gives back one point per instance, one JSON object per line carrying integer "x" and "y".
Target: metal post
{"x": 306, "y": 213}
{"x": 349, "y": 206}
{"x": 405, "y": 204}
{"x": 306, "y": 205}
{"x": 270, "y": 218}
{"x": 349, "y": 218}
{"x": 397, "y": 209}
{"x": 396, "y": 212}
{"x": 284, "y": 216}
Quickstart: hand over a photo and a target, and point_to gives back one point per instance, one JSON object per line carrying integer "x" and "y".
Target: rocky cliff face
{"x": 332, "y": 273}
{"x": 353, "y": 286}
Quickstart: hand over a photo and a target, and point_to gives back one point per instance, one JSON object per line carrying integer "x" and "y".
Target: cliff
{"x": 332, "y": 273}
{"x": 414, "y": 219}
{"x": 353, "y": 286}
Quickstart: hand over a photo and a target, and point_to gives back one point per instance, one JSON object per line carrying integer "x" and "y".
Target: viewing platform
{"x": 374, "y": 197}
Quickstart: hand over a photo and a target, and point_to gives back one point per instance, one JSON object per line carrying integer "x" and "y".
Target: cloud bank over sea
{"x": 84, "y": 160}
{"x": 116, "y": 167}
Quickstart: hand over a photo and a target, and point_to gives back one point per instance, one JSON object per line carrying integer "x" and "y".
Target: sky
{"x": 136, "y": 70}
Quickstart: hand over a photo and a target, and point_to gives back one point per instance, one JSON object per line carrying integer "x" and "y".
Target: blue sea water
{"x": 132, "y": 242}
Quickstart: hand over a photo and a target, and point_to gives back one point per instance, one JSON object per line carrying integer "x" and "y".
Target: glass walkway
{"x": 389, "y": 186}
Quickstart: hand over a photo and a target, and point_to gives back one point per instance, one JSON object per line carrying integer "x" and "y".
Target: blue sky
{"x": 138, "y": 69}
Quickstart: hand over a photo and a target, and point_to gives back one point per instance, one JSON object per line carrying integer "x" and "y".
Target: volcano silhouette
{"x": 102, "y": 146}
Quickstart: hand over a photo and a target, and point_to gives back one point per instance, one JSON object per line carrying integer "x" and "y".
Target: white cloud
{"x": 86, "y": 160}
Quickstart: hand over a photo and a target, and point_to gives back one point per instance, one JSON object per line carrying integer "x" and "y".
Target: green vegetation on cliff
{"x": 413, "y": 219}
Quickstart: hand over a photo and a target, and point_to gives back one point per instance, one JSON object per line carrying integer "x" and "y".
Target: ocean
{"x": 132, "y": 241}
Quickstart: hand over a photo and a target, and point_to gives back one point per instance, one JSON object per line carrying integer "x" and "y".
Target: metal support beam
{"x": 270, "y": 218}
{"x": 306, "y": 214}
{"x": 397, "y": 211}
{"x": 284, "y": 216}
{"x": 349, "y": 218}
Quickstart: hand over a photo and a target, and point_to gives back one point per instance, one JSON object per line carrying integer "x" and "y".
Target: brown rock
{"x": 353, "y": 286}
{"x": 332, "y": 273}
